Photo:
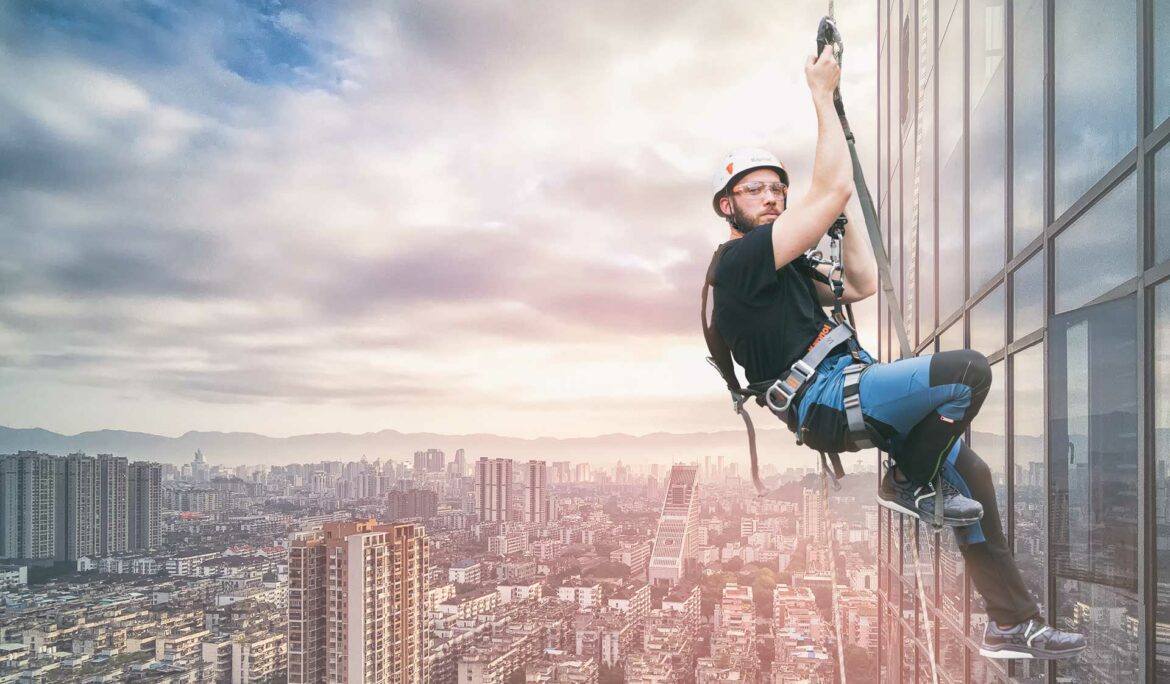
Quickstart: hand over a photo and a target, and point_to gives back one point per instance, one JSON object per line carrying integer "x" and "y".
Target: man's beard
{"x": 745, "y": 223}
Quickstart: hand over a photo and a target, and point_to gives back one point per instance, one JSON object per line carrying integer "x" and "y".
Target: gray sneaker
{"x": 1031, "y": 639}
{"x": 919, "y": 500}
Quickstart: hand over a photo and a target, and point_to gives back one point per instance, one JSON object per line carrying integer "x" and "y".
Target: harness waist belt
{"x": 781, "y": 392}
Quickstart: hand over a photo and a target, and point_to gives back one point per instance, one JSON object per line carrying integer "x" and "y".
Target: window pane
{"x": 1162, "y": 204}
{"x": 987, "y": 440}
{"x": 952, "y": 337}
{"x": 1028, "y": 296}
{"x": 1093, "y": 454}
{"x": 1113, "y": 260}
{"x": 987, "y": 323}
{"x": 1096, "y": 94}
{"x": 1161, "y": 61}
{"x": 1162, "y": 479}
{"x": 988, "y": 152}
{"x": 951, "y": 160}
{"x": 1027, "y": 123}
{"x": 1030, "y": 532}
{"x": 926, "y": 280}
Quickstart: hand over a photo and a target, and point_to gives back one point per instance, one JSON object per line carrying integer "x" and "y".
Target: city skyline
{"x": 342, "y": 219}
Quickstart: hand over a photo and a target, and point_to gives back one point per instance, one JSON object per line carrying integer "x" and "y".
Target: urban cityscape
{"x": 438, "y": 568}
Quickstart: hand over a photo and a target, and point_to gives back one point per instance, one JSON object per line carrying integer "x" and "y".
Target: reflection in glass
{"x": 1030, "y": 532}
{"x": 1162, "y": 203}
{"x": 987, "y": 323}
{"x": 1161, "y": 61}
{"x": 951, "y": 256}
{"x": 987, "y": 440}
{"x": 1096, "y": 93}
{"x": 1028, "y": 296}
{"x": 1162, "y": 476}
{"x": 952, "y": 580}
{"x": 1088, "y": 266}
{"x": 988, "y": 161}
{"x": 1093, "y": 488}
{"x": 926, "y": 275}
{"x": 952, "y": 337}
{"x": 952, "y": 651}
{"x": 1027, "y": 123}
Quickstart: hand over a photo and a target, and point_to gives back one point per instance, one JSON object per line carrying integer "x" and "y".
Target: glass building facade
{"x": 1041, "y": 239}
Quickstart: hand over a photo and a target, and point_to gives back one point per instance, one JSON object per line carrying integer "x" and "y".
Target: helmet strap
{"x": 731, "y": 216}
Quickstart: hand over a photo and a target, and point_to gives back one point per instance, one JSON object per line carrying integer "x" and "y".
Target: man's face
{"x": 750, "y": 210}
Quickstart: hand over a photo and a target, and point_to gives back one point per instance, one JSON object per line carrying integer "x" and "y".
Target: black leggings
{"x": 991, "y": 565}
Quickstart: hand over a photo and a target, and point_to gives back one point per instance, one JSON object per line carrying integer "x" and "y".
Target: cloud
{"x": 238, "y": 204}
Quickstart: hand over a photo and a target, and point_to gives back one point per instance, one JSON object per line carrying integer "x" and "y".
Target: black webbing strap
{"x": 720, "y": 352}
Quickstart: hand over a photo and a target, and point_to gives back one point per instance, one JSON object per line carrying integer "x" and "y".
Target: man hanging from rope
{"x": 768, "y": 298}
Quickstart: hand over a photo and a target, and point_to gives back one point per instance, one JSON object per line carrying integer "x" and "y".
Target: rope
{"x": 833, "y": 575}
{"x": 911, "y": 312}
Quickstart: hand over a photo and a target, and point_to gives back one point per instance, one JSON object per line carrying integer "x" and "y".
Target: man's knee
{"x": 965, "y": 366}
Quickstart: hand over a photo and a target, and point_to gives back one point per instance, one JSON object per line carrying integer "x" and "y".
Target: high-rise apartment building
{"x": 112, "y": 492}
{"x": 429, "y": 461}
{"x": 536, "y": 498}
{"x": 493, "y": 489}
{"x": 460, "y": 463}
{"x": 144, "y": 506}
{"x": 813, "y": 521}
{"x": 28, "y": 495}
{"x": 1041, "y": 242}
{"x": 76, "y": 507}
{"x": 676, "y": 528}
{"x": 356, "y": 595}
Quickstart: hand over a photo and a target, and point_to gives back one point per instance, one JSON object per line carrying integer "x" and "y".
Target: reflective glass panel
{"x": 1096, "y": 92}
{"x": 1087, "y": 265}
{"x": 952, "y": 650}
{"x": 1027, "y": 123}
{"x": 987, "y": 440}
{"x": 952, "y": 337}
{"x": 953, "y": 574}
{"x": 987, "y": 323}
{"x": 1161, "y": 61}
{"x": 951, "y": 190}
{"x": 1093, "y": 487}
{"x": 1028, "y": 296}
{"x": 1030, "y": 503}
{"x": 1162, "y": 203}
{"x": 1162, "y": 476}
{"x": 988, "y": 145}
{"x": 926, "y": 273}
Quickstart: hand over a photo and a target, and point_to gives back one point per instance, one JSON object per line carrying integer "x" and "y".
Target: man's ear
{"x": 725, "y": 205}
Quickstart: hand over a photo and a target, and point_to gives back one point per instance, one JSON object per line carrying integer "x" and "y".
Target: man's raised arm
{"x": 801, "y": 227}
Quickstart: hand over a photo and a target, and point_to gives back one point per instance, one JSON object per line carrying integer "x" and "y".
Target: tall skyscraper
{"x": 429, "y": 461}
{"x": 536, "y": 500}
{"x": 144, "y": 506}
{"x": 460, "y": 463}
{"x": 27, "y": 500}
{"x": 493, "y": 489}
{"x": 676, "y": 528}
{"x": 356, "y": 595}
{"x": 112, "y": 473}
{"x": 813, "y": 522}
{"x": 76, "y": 507}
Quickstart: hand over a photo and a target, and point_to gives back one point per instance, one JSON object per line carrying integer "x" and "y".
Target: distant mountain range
{"x": 776, "y": 446}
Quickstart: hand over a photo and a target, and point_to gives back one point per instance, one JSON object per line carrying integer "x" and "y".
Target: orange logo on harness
{"x": 824, "y": 331}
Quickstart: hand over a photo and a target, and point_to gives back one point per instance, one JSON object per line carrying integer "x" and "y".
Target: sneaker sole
{"x": 947, "y": 522}
{"x": 1020, "y": 653}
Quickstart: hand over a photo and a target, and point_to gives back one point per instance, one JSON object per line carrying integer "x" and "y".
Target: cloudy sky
{"x": 472, "y": 216}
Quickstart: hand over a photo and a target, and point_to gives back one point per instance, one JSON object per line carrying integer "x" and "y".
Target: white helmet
{"x": 737, "y": 164}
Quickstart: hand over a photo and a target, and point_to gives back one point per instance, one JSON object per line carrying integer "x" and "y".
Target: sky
{"x": 454, "y": 217}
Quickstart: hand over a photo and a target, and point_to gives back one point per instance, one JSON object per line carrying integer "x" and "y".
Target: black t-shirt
{"x": 767, "y": 316}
